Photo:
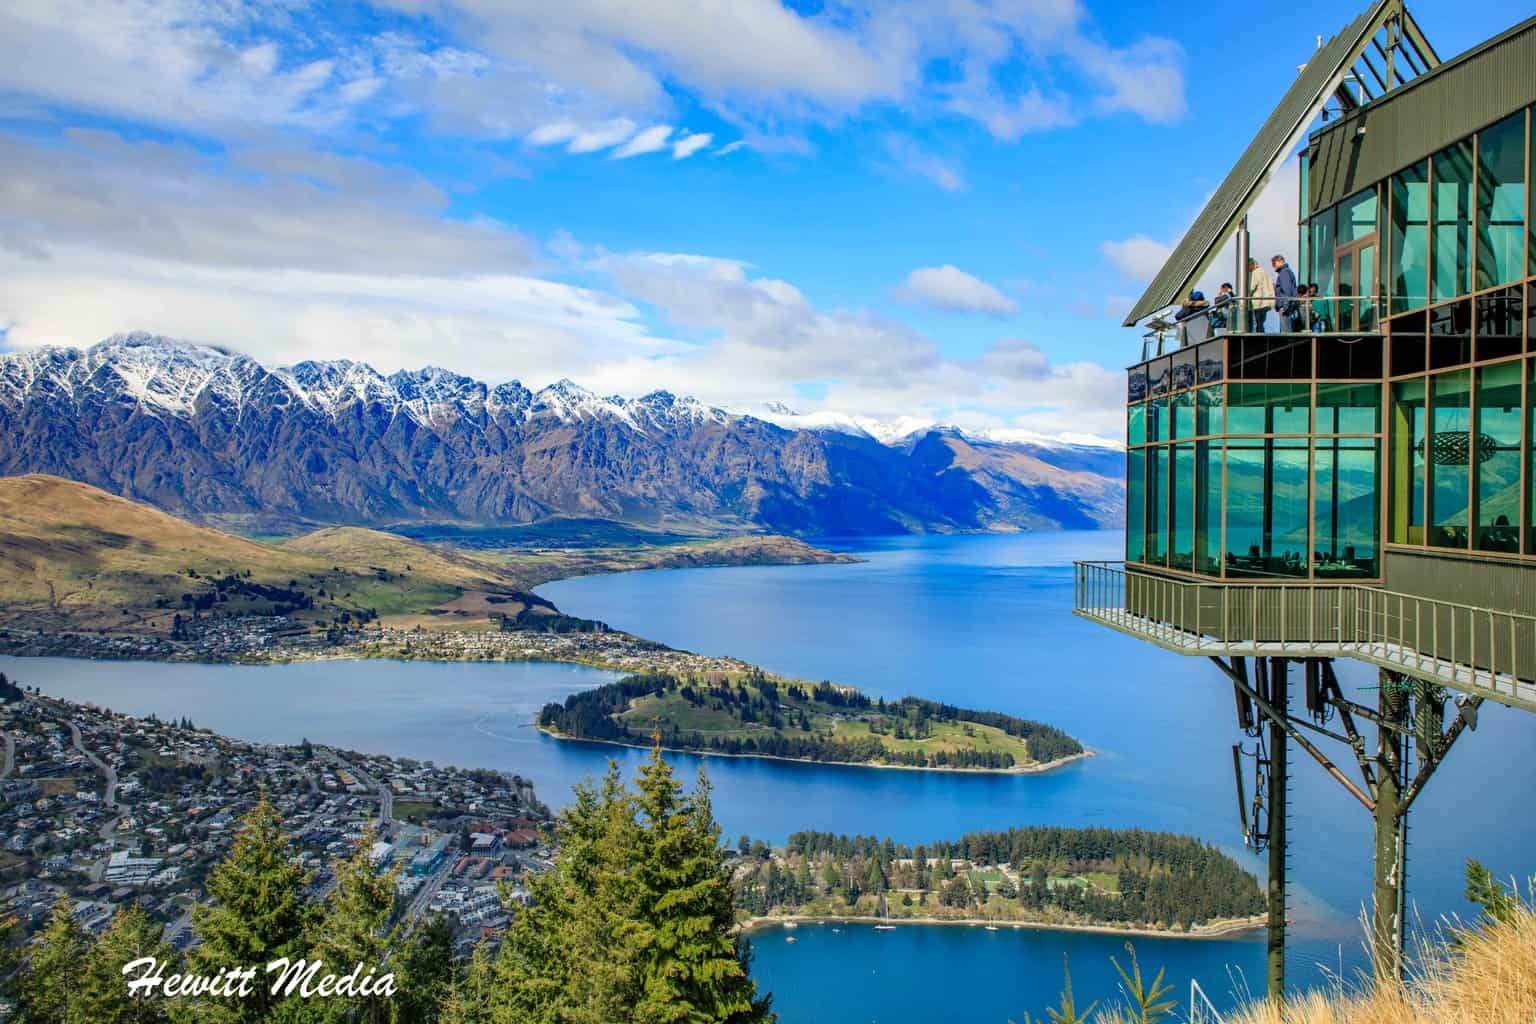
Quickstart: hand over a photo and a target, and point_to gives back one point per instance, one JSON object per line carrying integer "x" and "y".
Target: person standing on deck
{"x": 1261, "y": 294}
{"x": 1285, "y": 292}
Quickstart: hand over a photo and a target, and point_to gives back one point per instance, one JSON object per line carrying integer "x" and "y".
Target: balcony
{"x": 1477, "y": 651}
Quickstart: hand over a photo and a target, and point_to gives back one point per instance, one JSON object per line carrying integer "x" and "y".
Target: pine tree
{"x": 353, "y": 928}
{"x": 424, "y": 973}
{"x": 257, "y": 915}
{"x": 470, "y": 996}
{"x": 633, "y": 924}
{"x": 569, "y": 957}
{"x": 49, "y": 988}
{"x": 103, "y": 996}
{"x": 695, "y": 968}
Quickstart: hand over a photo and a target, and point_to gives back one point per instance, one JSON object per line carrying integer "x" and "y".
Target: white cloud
{"x": 209, "y": 66}
{"x": 950, "y": 288}
{"x": 688, "y": 145}
{"x": 1138, "y": 257}
{"x": 729, "y": 148}
{"x": 283, "y": 210}
{"x": 647, "y": 141}
{"x": 1018, "y": 65}
{"x": 910, "y": 158}
{"x": 1271, "y": 230}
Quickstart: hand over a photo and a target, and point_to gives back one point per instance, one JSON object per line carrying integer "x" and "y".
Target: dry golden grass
{"x": 1490, "y": 979}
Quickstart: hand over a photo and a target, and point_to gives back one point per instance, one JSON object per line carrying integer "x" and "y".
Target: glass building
{"x": 1350, "y": 473}
{"x": 1396, "y": 417}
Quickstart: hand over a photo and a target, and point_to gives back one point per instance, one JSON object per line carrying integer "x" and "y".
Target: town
{"x": 269, "y": 639}
{"x": 113, "y": 810}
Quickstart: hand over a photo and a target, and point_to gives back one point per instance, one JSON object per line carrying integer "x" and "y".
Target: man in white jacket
{"x": 1261, "y": 297}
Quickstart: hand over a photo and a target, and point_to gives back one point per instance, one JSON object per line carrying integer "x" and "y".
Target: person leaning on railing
{"x": 1219, "y": 308}
{"x": 1261, "y": 295}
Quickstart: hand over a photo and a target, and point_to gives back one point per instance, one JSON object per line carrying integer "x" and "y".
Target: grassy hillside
{"x": 530, "y": 568}
{"x": 754, "y": 714}
{"x": 75, "y": 555}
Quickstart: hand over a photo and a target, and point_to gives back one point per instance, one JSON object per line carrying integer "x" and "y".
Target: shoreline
{"x": 1033, "y": 768}
{"x": 1225, "y": 929}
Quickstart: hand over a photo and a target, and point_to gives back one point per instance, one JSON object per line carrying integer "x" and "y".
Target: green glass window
{"x": 1501, "y": 202}
{"x": 1530, "y": 474}
{"x": 1184, "y": 414}
{"x": 1323, "y": 231}
{"x": 1181, "y": 535}
{"x": 1357, "y": 217}
{"x": 1268, "y": 408}
{"x": 1267, "y": 507}
{"x": 1135, "y": 504}
{"x": 1157, "y": 506}
{"x": 1208, "y": 403}
{"x": 1344, "y": 507}
{"x": 1409, "y": 257}
{"x": 1157, "y": 420}
{"x": 1245, "y": 507}
{"x": 1406, "y": 512}
{"x": 1349, "y": 408}
{"x": 1451, "y": 170}
{"x": 1208, "y": 508}
{"x": 1450, "y": 441}
{"x": 1136, "y": 424}
{"x": 1497, "y": 457}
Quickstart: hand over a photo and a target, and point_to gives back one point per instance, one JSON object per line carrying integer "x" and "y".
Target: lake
{"x": 979, "y": 621}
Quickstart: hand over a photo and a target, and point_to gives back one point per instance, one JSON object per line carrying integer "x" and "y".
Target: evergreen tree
{"x": 580, "y": 922}
{"x": 694, "y": 967}
{"x": 469, "y": 997}
{"x": 424, "y": 974}
{"x": 353, "y": 928}
{"x": 257, "y": 915}
{"x": 49, "y": 988}
{"x": 633, "y": 924}
{"x": 103, "y": 996}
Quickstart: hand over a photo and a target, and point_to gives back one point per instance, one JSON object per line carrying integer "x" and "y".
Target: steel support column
{"x": 1279, "y": 699}
{"x": 1387, "y": 901}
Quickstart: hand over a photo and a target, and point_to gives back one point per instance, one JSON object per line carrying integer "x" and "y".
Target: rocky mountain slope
{"x": 214, "y": 435}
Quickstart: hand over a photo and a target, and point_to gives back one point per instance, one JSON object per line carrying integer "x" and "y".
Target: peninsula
{"x": 753, "y": 714}
{"x": 1068, "y": 878}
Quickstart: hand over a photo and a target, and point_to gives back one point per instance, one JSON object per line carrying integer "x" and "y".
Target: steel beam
{"x": 1387, "y": 898}
{"x": 1280, "y": 697}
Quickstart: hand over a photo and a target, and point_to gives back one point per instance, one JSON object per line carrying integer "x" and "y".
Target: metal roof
{"x": 1322, "y": 78}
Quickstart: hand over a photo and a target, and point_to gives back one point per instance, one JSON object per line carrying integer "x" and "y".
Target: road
{"x": 109, "y": 795}
{"x": 386, "y": 795}
{"x": 428, "y": 889}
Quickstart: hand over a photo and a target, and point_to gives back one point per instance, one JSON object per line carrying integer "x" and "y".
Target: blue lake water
{"x": 979, "y": 621}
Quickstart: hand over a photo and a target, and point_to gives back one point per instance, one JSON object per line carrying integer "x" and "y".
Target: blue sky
{"x": 936, "y": 210}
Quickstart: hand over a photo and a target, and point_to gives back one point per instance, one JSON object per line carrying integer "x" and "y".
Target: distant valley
{"x": 215, "y": 437}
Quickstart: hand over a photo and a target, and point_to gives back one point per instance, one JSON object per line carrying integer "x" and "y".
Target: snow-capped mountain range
{"x": 204, "y": 431}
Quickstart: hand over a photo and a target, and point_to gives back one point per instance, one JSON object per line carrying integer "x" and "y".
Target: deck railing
{"x": 1477, "y": 650}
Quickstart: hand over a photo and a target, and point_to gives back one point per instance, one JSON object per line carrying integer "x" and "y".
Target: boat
{"x": 885, "y": 927}
{"x": 789, "y": 938}
{"x": 885, "y": 917}
{"x": 991, "y": 927}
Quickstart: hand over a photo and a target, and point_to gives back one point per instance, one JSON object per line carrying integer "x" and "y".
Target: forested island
{"x": 1062, "y": 877}
{"x": 753, "y": 714}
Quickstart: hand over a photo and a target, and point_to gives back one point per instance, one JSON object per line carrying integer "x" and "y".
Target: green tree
{"x": 694, "y": 967}
{"x": 50, "y": 987}
{"x": 257, "y": 914}
{"x": 103, "y": 996}
{"x": 353, "y": 928}
{"x": 424, "y": 973}
{"x": 469, "y": 997}
{"x": 634, "y": 922}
